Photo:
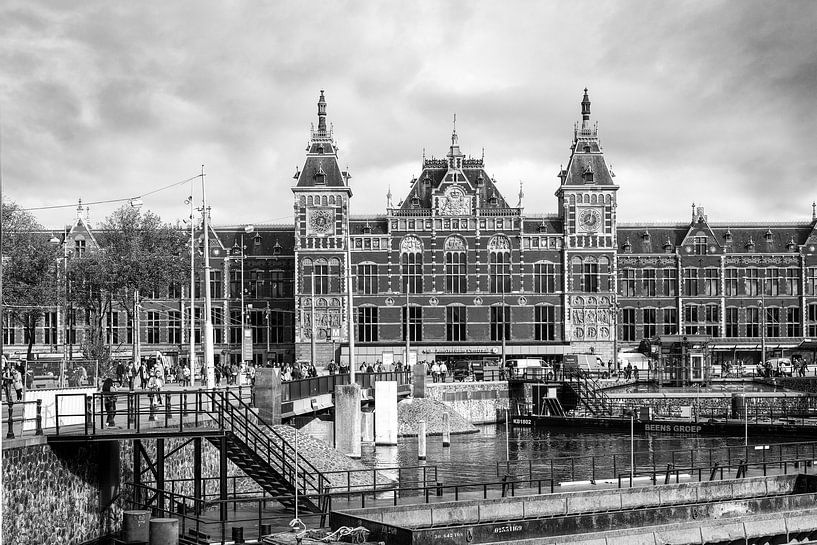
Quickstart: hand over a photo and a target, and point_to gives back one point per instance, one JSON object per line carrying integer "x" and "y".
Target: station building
{"x": 456, "y": 270}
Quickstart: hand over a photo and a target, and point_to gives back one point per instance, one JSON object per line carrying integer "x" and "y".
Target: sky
{"x": 711, "y": 102}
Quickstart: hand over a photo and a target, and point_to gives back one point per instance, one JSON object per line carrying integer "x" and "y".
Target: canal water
{"x": 571, "y": 456}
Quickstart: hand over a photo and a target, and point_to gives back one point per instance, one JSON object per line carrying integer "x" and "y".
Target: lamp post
{"x": 503, "y": 323}
{"x": 238, "y": 253}
{"x": 66, "y": 340}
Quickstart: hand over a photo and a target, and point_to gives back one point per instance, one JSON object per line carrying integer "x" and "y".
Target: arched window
{"x": 411, "y": 260}
{"x": 499, "y": 264}
{"x": 456, "y": 279}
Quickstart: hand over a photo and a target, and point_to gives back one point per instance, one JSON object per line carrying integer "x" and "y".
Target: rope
{"x": 358, "y": 534}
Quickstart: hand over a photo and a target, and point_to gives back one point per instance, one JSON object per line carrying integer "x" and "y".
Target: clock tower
{"x": 587, "y": 208}
{"x": 321, "y": 207}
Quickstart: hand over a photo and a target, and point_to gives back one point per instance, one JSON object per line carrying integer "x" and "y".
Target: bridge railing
{"x": 325, "y": 384}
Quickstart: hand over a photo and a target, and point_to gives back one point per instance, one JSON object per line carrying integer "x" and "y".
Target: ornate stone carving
{"x": 320, "y": 221}
{"x": 604, "y": 332}
{"x": 454, "y": 244}
{"x": 522, "y": 300}
{"x": 454, "y": 203}
{"x": 411, "y": 245}
{"x": 499, "y": 242}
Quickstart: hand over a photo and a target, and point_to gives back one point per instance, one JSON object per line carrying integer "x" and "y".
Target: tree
{"x": 29, "y": 270}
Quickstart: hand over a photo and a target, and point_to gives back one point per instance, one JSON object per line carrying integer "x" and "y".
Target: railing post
{"x": 10, "y": 432}
{"x": 39, "y": 417}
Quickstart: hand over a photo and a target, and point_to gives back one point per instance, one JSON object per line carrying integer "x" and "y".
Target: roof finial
{"x": 388, "y": 198}
{"x": 693, "y": 212}
{"x": 454, "y": 133}
{"x": 585, "y": 110}
{"x": 80, "y": 209}
{"x": 814, "y": 211}
{"x": 322, "y": 114}
{"x": 521, "y": 195}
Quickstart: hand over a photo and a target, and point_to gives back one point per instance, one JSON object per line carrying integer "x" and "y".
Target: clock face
{"x": 590, "y": 220}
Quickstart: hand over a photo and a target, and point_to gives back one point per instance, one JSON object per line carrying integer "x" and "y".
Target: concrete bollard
{"x": 164, "y": 531}
{"x": 385, "y": 416}
{"x": 135, "y": 526}
{"x": 367, "y": 427}
{"x": 446, "y": 430}
{"x": 421, "y": 440}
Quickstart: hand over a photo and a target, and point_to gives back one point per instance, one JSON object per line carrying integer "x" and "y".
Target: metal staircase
{"x": 592, "y": 396}
{"x": 264, "y": 454}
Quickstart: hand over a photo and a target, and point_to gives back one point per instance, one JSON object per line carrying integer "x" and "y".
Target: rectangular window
{"x": 79, "y": 248}
{"x": 792, "y": 281}
{"x": 455, "y": 323}
{"x": 670, "y": 321}
{"x": 174, "y": 327}
{"x": 216, "y": 284}
{"x": 670, "y": 282}
{"x": 414, "y": 323}
{"x": 278, "y": 326}
{"x": 500, "y": 272}
{"x": 254, "y": 283}
{"x": 753, "y": 322}
{"x": 367, "y": 279}
{"x": 258, "y": 324}
{"x": 320, "y": 279}
{"x": 628, "y": 282}
{"x": 690, "y": 282}
{"x": 278, "y": 285}
{"x": 712, "y": 319}
{"x": 367, "y": 324}
{"x": 235, "y": 326}
{"x": 8, "y": 329}
{"x": 174, "y": 290}
{"x": 112, "y": 327}
{"x": 772, "y": 286}
{"x": 711, "y": 281}
{"x": 198, "y": 313}
{"x": 811, "y": 315}
{"x": 217, "y": 315}
{"x": 235, "y": 284}
{"x": 649, "y": 319}
{"x": 690, "y": 319}
{"x": 732, "y": 322}
{"x": 772, "y": 321}
{"x": 456, "y": 279}
{"x": 753, "y": 281}
{"x": 544, "y": 323}
{"x": 544, "y": 275}
{"x": 72, "y": 325}
{"x": 413, "y": 272}
{"x": 152, "y": 327}
{"x": 590, "y": 277}
{"x": 500, "y": 323}
{"x": 700, "y": 245}
{"x": 50, "y": 328}
{"x": 649, "y": 278}
{"x": 628, "y": 324}
{"x": 811, "y": 281}
{"x": 792, "y": 327}
{"x": 730, "y": 282}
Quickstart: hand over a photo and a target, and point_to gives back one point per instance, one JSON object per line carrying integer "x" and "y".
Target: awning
{"x": 808, "y": 344}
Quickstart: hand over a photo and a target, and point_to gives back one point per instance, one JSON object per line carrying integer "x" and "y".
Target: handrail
{"x": 38, "y": 418}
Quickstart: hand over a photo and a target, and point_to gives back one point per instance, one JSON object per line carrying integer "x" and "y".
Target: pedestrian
{"x": 18, "y": 384}
{"x": 8, "y": 380}
{"x": 133, "y": 372}
{"x": 143, "y": 375}
{"x": 313, "y": 371}
{"x": 120, "y": 373}
{"x": 363, "y": 367}
{"x": 233, "y": 375}
{"x": 251, "y": 374}
{"x": 296, "y": 373}
{"x": 109, "y": 401}
{"x": 185, "y": 375}
{"x": 443, "y": 371}
{"x": 83, "y": 376}
{"x": 332, "y": 367}
{"x": 435, "y": 372}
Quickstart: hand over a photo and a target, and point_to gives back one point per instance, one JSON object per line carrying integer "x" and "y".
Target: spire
{"x": 814, "y": 211}
{"x": 521, "y": 195}
{"x": 388, "y": 198}
{"x": 585, "y": 110}
{"x": 454, "y": 132}
{"x": 80, "y": 209}
{"x": 322, "y": 114}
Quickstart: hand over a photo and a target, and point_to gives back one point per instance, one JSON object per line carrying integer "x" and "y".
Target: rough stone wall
{"x": 479, "y": 402}
{"x": 716, "y": 407}
{"x": 801, "y": 384}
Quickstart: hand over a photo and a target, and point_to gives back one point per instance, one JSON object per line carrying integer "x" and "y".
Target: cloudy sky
{"x": 711, "y": 102}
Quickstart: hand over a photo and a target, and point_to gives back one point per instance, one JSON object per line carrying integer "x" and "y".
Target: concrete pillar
{"x": 421, "y": 440}
{"x": 418, "y": 385}
{"x": 164, "y": 532}
{"x": 347, "y": 419}
{"x": 446, "y": 430}
{"x": 367, "y": 420}
{"x": 135, "y": 526}
{"x": 268, "y": 394}
{"x": 385, "y": 417}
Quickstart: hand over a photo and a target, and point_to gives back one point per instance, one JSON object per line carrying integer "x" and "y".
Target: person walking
{"x": 133, "y": 372}
{"x": 435, "y": 372}
{"x": 109, "y": 401}
{"x": 120, "y": 373}
{"x": 443, "y": 371}
{"x": 18, "y": 384}
{"x": 143, "y": 375}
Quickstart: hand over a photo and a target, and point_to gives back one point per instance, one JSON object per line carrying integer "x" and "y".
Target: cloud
{"x": 711, "y": 102}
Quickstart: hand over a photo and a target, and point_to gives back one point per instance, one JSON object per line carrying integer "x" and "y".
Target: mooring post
{"x": 421, "y": 440}
{"x": 446, "y": 430}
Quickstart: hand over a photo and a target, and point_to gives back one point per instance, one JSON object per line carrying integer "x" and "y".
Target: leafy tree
{"x": 29, "y": 270}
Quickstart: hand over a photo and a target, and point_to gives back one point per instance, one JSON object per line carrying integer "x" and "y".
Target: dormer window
{"x": 257, "y": 239}
{"x": 480, "y": 179}
{"x": 492, "y": 200}
{"x": 543, "y": 228}
{"x": 668, "y": 246}
{"x": 367, "y": 229}
{"x": 320, "y": 175}
{"x": 750, "y": 246}
{"x": 276, "y": 250}
{"x": 791, "y": 245}
{"x": 415, "y": 202}
{"x": 587, "y": 174}
{"x": 728, "y": 236}
{"x": 628, "y": 248}
{"x": 768, "y": 236}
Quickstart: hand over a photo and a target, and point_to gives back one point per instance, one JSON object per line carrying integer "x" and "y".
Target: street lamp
{"x": 240, "y": 254}
{"x": 67, "y": 347}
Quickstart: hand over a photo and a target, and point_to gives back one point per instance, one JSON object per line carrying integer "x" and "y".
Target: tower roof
{"x": 586, "y": 165}
{"x": 321, "y": 168}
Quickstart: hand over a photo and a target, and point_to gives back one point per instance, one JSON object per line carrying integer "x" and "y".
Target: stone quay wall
{"x": 478, "y": 402}
{"x": 715, "y": 405}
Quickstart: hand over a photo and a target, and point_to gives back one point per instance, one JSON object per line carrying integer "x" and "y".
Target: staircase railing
{"x": 232, "y": 414}
{"x": 592, "y": 395}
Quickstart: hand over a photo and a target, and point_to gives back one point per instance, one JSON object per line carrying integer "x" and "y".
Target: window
{"x": 500, "y": 322}
{"x": 690, "y": 319}
{"x": 197, "y": 314}
{"x": 367, "y": 278}
{"x": 72, "y": 323}
{"x": 367, "y": 324}
{"x": 792, "y": 325}
{"x": 730, "y": 283}
{"x": 320, "y": 278}
{"x": 174, "y": 290}
{"x": 712, "y": 319}
{"x": 235, "y": 284}
{"x": 649, "y": 318}
{"x": 690, "y": 281}
{"x": 174, "y": 327}
{"x": 79, "y": 247}
{"x": 700, "y": 245}
{"x": 499, "y": 269}
{"x": 792, "y": 281}
{"x": 752, "y": 282}
{"x": 215, "y": 284}
{"x": 217, "y": 315}
{"x": 456, "y": 279}
{"x": 811, "y": 281}
{"x": 112, "y": 327}
{"x": 711, "y": 281}
{"x": 152, "y": 327}
{"x": 812, "y": 319}
{"x": 258, "y": 324}
{"x": 8, "y": 329}
{"x": 544, "y": 278}
{"x": 628, "y": 282}
{"x": 414, "y": 323}
{"x": 732, "y": 322}
{"x": 544, "y": 323}
{"x": 412, "y": 272}
{"x": 772, "y": 321}
{"x": 277, "y": 284}
{"x": 772, "y": 286}
{"x": 628, "y": 324}
{"x": 455, "y": 323}
{"x": 670, "y": 282}
{"x": 590, "y": 277}
{"x": 50, "y": 328}
{"x": 670, "y": 321}
{"x": 753, "y": 322}
{"x": 648, "y": 276}
{"x": 254, "y": 283}
{"x": 278, "y": 326}
{"x": 235, "y": 326}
